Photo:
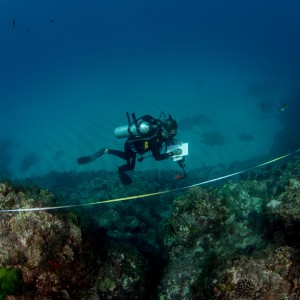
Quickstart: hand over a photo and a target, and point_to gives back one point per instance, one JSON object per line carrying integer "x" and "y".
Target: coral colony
{"x": 237, "y": 240}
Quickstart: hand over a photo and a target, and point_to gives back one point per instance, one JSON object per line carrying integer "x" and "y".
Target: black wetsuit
{"x": 134, "y": 147}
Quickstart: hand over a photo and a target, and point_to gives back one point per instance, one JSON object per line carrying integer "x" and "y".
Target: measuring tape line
{"x": 146, "y": 195}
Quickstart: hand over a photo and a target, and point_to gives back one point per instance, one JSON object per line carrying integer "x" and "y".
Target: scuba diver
{"x": 145, "y": 134}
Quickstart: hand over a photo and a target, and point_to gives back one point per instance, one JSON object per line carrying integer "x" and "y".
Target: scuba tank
{"x": 139, "y": 128}
{"x": 142, "y": 128}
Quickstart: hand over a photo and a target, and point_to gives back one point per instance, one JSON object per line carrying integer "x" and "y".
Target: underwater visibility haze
{"x": 227, "y": 71}
{"x": 70, "y": 71}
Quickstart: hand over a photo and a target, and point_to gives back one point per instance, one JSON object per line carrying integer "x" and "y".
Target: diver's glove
{"x": 177, "y": 152}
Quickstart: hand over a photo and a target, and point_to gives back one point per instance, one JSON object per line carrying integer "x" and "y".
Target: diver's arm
{"x": 155, "y": 149}
{"x": 158, "y": 156}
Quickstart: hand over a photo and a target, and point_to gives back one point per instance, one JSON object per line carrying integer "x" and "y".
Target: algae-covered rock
{"x": 198, "y": 220}
{"x": 55, "y": 260}
{"x": 10, "y": 282}
{"x": 236, "y": 240}
{"x": 286, "y": 206}
{"x": 239, "y": 240}
{"x": 44, "y": 248}
{"x": 271, "y": 274}
{"x": 122, "y": 274}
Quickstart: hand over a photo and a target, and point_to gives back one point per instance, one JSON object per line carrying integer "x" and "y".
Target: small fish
{"x": 13, "y": 23}
{"x": 283, "y": 107}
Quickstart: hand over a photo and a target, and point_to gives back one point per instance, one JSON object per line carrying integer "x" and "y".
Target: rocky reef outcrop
{"x": 235, "y": 240}
{"x": 48, "y": 255}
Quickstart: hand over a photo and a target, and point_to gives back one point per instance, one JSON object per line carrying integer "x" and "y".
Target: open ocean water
{"x": 70, "y": 70}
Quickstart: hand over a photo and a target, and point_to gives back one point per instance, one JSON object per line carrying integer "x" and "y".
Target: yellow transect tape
{"x": 145, "y": 195}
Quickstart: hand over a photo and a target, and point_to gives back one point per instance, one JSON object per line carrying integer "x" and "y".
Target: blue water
{"x": 71, "y": 69}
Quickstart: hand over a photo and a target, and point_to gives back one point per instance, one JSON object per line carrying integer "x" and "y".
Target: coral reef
{"x": 122, "y": 275}
{"x": 286, "y": 207}
{"x": 269, "y": 275}
{"x": 45, "y": 248}
{"x": 58, "y": 259}
{"x": 235, "y": 240}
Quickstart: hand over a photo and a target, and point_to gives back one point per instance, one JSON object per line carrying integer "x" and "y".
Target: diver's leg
{"x": 129, "y": 166}
{"x": 118, "y": 153}
{"x": 130, "y": 156}
{"x": 130, "y": 163}
{"x": 126, "y": 154}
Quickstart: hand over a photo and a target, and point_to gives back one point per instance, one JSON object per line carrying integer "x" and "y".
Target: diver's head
{"x": 169, "y": 128}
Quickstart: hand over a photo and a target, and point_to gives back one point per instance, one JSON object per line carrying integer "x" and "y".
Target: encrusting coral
{"x": 52, "y": 258}
{"x": 236, "y": 240}
{"x": 266, "y": 276}
{"x": 45, "y": 248}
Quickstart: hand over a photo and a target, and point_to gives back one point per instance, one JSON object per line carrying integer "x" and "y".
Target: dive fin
{"x": 85, "y": 159}
{"x": 90, "y": 158}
